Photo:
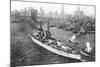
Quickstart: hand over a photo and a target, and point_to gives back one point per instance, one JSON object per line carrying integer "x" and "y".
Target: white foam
{"x": 88, "y": 47}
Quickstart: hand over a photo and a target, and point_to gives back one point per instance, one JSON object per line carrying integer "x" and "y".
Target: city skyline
{"x": 48, "y": 7}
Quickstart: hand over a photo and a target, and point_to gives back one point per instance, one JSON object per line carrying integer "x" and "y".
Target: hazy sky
{"x": 47, "y": 7}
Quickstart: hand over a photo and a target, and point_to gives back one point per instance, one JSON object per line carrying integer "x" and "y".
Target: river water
{"x": 37, "y": 55}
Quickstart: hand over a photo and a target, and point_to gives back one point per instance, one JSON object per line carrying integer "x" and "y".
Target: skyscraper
{"x": 42, "y": 13}
{"x": 79, "y": 12}
{"x": 62, "y": 11}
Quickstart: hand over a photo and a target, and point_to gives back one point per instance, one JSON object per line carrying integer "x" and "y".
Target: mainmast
{"x": 48, "y": 29}
{"x": 40, "y": 24}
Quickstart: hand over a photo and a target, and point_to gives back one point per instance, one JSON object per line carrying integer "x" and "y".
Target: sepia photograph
{"x": 43, "y": 33}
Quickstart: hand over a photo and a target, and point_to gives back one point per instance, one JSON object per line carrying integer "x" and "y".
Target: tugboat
{"x": 45, "y": 40}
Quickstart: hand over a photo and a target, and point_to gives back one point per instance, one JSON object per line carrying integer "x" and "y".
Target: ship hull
{"x": 54, "y": 50}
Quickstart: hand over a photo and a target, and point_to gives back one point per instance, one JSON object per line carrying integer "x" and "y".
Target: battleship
{"x": 68, "y": 49}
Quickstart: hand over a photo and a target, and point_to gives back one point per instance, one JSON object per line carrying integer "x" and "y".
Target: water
{"x": 33, "y": 54}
